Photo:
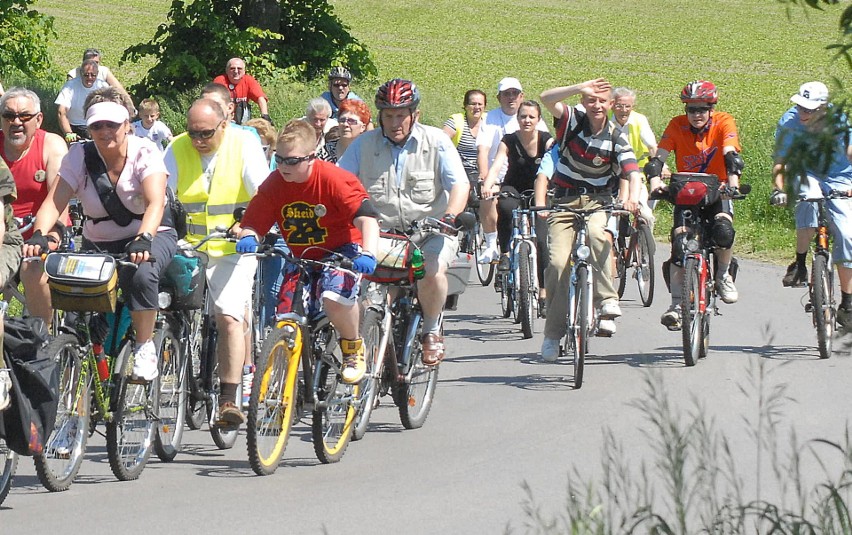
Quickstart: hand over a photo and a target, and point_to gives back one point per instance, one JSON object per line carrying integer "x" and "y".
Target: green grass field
{"x": 752, "y": 49}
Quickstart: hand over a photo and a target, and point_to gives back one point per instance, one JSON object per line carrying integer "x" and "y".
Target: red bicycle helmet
{"x": 699, "y": 91}
{"x": 397, "y": 93}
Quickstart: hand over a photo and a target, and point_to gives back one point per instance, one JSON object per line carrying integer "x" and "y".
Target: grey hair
{"x": 619, "y": 92}
{"x": 88, "y": 63}
{"x": 16, "y": 92}
{"x": 318, "y": 105}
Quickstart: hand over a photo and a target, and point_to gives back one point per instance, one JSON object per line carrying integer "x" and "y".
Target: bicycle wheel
{"x": 822, "y": 288}
{"x": 8, "y": 464}
{"x": 371, "y": 332}
{"x": 507, "y": 298}
{"x": 692, "y": 320}
{"x": 272, "y": 406}
{"x": 130, "y": 434}
{"x": 172, "y": 397}
{"x": 196, "y": 407}
{"x": 414, "y": 398}
{"x": 334, "y": 416}
{"x": 579, "y": 330}
{"x": 622, "y": 259}
{"x": 223, "y": 437}
{"x": 644, "y": 255}
{"x": 63, "y": 453}
{"x": 526, "y": 292}
{"x": 485, "y": 272}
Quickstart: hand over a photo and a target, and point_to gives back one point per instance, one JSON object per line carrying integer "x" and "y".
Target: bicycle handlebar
{"x": 337, "y": 260}
{"x": 833, "y": 194}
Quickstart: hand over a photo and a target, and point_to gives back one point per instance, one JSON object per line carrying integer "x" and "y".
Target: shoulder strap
{"x": 458, "y": 121}
{"x": 568, "y": 135}
{"x": 96, "y": 172}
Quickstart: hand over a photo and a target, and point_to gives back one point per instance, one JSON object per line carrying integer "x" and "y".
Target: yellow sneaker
{"x": 354, "y": 365}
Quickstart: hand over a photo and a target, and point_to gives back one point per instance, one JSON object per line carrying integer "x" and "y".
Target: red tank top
{"x": 30, "y": 179}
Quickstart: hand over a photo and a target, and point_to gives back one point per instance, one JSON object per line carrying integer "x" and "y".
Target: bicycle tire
{"x": 692, "y": 321}
{"x": 485, "y": 272}
{"x": 415, "y": 397}
{"x": 8, "y": 465}
{"x": 196, "y": 407}
{"x": 580, "y": 330}
{"x": 333, "y": 418}
{"x": 526, "y": 292}
{"x": 272, "y": 405}
{"x": 822, "y": 288}
{"x": 130, "y": 434}
{"x": 644, "y": 255}
{"x": 621, "y": 252}
{"x": 56, "y": 468}
{"x": 371, "y": 332}
{"x": 172, "y": 396}
{"x": 507, "y": 301}
{"x": 224, "y": 437}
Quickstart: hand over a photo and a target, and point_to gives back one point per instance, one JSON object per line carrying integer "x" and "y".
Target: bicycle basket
{"x": 82, "y": 283}
{"x": 696, "y": 189}
{"x": 184, "y": 278}
{"x": 393, "y": 259}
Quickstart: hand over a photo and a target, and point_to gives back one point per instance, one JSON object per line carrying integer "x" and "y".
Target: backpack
{"x": 28, "y": 422}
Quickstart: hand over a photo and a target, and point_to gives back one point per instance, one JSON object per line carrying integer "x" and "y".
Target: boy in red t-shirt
{"x": 704, "y": 141}
{"x": 318, "y": 208}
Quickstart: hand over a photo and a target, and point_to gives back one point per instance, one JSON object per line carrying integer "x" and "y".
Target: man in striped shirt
{"x": 595, "y": 163}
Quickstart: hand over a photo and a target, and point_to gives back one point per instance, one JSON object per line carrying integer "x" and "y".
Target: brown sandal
{"x": 433, "y": 349}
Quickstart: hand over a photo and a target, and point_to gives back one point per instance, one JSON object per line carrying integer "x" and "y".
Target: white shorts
{"x": 230, "y": 279}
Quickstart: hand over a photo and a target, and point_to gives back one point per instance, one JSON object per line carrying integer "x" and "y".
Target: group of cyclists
{"x": 385, "y": 179}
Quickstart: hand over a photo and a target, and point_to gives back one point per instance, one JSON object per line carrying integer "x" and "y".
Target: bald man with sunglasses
{"x": 213, "y": 169}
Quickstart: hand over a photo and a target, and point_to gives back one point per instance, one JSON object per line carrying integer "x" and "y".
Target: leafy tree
{"x": 24, "y": 36}
{"x": 278, "y": 39}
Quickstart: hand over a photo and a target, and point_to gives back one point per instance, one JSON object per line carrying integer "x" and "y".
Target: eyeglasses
{"x": 294, "y": 160}
{"x": 340, "y": 84}
{"x": 351, "y": 121}
{"x": 623, "y": 107}
{"x": 800, "y": 109}
{"x": 25, "y": 117}
{"x": 94, "y": 127}
{"x": 511, "y": 93}
{"x": 89, "y": 75}
{"x": 203, "y": 134}
{"x": 697, "y": 110}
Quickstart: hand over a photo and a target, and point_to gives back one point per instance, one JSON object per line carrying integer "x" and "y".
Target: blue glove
{"x": 247, "y": 244}
{"x": 364, "y": 263}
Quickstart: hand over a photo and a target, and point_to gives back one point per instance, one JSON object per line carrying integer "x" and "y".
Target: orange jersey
{"x": 702, "y": 152}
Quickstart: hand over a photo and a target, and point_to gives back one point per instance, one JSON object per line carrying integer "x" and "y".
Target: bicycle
{"x": 698, "y": 296}
{"x": 821, "y": 299}
{"x": 94, "y": 357}
{"x": 278, "y": 395}
{"x": 582, "y": 320}
{"x": 634, "y": 248}
{"x": 392, "y": 329}
{"x": 519, "y": 286}
{"x": 8, "y": 458}
{"x": 473, "y": 242}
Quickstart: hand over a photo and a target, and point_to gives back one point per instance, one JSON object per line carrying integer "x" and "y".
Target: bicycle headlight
{"x": 583, "y": 252}
{"x": 164, "y": 299}
{"x": 693, "y": 246}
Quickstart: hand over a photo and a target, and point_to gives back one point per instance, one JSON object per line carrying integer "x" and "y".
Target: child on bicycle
{"x": 801, "y": 132}
{"x": 704, "y": 141}
{"x": 319, "y": 208}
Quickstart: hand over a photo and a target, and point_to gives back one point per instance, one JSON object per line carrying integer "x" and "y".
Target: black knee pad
{"x": 723, "y": 232}
{"x": 678, "y": 247}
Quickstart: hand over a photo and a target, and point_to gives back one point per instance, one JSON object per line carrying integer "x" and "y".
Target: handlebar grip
{"x": 346, "y": 263}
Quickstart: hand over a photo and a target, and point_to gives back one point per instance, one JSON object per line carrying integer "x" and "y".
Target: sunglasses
{"x": 340, "y": 84}
{"x": 89, "y": 75}
{"x": 203, "y": 134}
{"x": 801, "y": 110}
{"x": 351, "y": 121}
{"x": 294, "y": 160}
{"x": 696, "y": 110}
{"x": 25, "y": 117}
{"x": 94, "y": 127}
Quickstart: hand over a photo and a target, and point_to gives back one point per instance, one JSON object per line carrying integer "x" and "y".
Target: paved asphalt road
{"x": 501, "y": 418}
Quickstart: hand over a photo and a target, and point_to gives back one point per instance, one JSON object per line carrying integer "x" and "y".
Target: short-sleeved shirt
{"x": 159, "y": 133}
{"x": 73, "y": 95}
{"x": 702, "y": 151}
{"x": 143, "y": 160}
{"x": 835, "y": 173}
{"x": 294, "y": 206}
{"x": 246, "y": 89}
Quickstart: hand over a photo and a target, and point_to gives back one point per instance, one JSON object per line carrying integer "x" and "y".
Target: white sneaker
{"x": 489, "y": 254}
{"x": 145, "y": 361}
{"x": 671, "y": 318}
{"x": 549, "y": 350}
{"x": 606, "y": 328}
{"x": 610, "y": 310}
{"x": 727, "y": 290}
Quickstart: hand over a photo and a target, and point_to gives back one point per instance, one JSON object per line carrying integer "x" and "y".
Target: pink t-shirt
{"x": 143, "y": 160}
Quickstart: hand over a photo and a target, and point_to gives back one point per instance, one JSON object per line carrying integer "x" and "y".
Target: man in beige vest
{"x": 412, "y": 171}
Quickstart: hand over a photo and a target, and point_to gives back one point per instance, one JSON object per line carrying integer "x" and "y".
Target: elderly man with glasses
{"x": 213, "y": 169}
{"x": 70, "y": 101}
{"x": 243, "y": 88}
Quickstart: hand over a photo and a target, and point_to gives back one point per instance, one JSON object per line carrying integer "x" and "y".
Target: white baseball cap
{"x": 811, "y": 95}
{"x": 509, "y": 83}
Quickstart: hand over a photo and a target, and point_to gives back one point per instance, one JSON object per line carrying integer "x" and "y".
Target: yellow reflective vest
{"x": 206, "y": 208}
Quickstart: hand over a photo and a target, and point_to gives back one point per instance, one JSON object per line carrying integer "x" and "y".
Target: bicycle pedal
{"x": 673, "y": 328}
{"x": 809, "y": 308}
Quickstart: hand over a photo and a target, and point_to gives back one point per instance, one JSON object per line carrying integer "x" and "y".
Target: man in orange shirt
{"x": 704, "y": 140}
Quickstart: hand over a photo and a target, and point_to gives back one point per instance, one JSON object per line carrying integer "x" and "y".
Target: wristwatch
{"x": 147, "y": 236}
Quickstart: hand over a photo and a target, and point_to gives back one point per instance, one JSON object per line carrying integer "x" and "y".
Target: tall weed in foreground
{"x": 695, "y": 481}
